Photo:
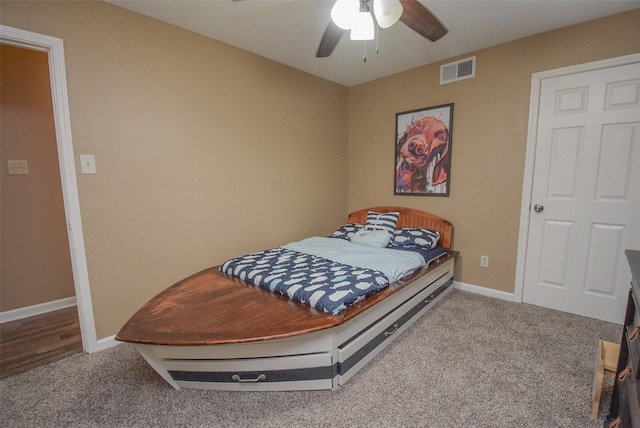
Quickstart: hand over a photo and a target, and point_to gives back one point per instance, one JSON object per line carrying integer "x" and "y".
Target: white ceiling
{"x": 289, "y": 31}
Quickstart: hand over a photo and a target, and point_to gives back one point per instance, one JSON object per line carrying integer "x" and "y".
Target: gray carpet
{"x": 472, "y": 361}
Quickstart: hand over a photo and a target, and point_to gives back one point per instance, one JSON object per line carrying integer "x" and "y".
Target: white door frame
{"x": 527, "y": 185}
{"x": 55, "y": 51}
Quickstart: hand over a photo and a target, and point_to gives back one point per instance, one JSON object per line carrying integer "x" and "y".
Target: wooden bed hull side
{"x": 323, "y": 359}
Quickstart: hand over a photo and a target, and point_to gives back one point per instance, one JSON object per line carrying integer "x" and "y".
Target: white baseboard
{"x": 107, "y": 342}
{"x": 42, "y": 308}
{"x": 484, "y": 291}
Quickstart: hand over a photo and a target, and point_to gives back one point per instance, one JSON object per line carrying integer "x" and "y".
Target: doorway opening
{"x": 54, "y": 49}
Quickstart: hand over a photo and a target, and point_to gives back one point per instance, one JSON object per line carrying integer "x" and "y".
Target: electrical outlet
{"x": 484, "y": 261}
{"x": 18, "y": 167}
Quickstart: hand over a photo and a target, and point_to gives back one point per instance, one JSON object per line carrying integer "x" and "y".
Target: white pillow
{"x": 372, "y": 238}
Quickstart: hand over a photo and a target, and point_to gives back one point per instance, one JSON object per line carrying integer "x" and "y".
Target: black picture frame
{"x": 423, "y": 142}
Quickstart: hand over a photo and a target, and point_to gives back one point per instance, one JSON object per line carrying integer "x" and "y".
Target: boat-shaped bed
{"x": 214, "y": 331}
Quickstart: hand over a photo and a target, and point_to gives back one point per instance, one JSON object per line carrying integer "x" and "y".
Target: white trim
{"x": 489, "y": 292}
{"x": 39, "y": 309}
{"x": 107, "y": 342}
{"x": 55, "y": 50}
{"x": 527, "y": 184}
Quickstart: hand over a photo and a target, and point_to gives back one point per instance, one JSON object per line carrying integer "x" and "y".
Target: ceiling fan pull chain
{"x": 377, "y": 38}
{"x": 364, "y": 51}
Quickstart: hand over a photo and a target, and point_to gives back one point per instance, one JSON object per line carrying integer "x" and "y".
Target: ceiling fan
{"x": 410, "y": 12}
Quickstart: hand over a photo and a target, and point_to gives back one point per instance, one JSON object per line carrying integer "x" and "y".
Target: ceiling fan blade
{"x": 330, "y": 39}
{"x": 419, "y": 19}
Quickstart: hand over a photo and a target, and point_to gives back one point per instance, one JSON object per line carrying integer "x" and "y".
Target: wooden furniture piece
{"x": 624, "y": 411}
{"x": 211, "y": 331}
{"x": 606, "y": 364}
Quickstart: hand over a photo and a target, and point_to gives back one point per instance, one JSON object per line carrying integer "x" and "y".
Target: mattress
{"x": 327, "y": 273}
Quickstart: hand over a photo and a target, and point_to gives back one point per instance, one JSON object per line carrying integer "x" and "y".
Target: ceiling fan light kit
{"x": 387, "y": 12}
{"x": 362, "y": 28}
{"x": 356, "y": 16}
{"x": 344, "y": 13}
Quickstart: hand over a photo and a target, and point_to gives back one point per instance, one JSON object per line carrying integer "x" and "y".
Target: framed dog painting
{"x": 423, "y": 151}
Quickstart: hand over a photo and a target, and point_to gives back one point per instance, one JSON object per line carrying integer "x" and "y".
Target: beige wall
{"x": 36, "y": 266}
{"x": 489, "y": 137}
{"x": 199, "y": 154}
{"x": 203, "y": 151}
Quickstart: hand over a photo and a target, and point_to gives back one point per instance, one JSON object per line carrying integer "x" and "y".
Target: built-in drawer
{"x": 632, "y": 335}
{"x": 312, "y": 371}
{"x": 628, "y": 394}
{"x": 356, "y": 352}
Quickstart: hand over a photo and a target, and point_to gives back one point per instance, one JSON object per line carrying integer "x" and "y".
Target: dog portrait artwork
{"x": 423, "y": 151}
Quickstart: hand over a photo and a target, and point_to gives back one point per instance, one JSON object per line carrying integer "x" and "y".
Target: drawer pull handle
{"x": 258, "y": 379}
{"x": 623, "y": 374}
{"x": 393, "y": 330}
{"x": 633, "y": 334}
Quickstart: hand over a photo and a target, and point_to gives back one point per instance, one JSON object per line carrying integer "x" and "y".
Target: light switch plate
{"x": 88, "y": 164}
{"x": 18, "y": 167}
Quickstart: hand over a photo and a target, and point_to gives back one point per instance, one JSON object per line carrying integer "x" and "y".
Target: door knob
{"x": 538, "y": 208}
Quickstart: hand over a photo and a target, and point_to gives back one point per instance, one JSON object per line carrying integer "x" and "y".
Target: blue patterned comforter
{"x": 325, "y": 273}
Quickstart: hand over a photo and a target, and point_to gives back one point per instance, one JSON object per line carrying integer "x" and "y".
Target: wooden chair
{"x": 607, "y": 362}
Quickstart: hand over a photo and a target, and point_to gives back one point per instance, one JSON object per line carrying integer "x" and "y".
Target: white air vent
{"x": 459, "y": 70}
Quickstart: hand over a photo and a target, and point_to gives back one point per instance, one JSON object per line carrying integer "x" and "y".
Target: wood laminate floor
{"x": 39, "y": 340}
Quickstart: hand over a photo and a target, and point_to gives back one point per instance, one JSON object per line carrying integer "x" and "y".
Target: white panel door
{"x": 586, "y": 193}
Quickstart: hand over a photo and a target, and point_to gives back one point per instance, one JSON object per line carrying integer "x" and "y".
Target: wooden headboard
{"x": 410, "y": 217}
